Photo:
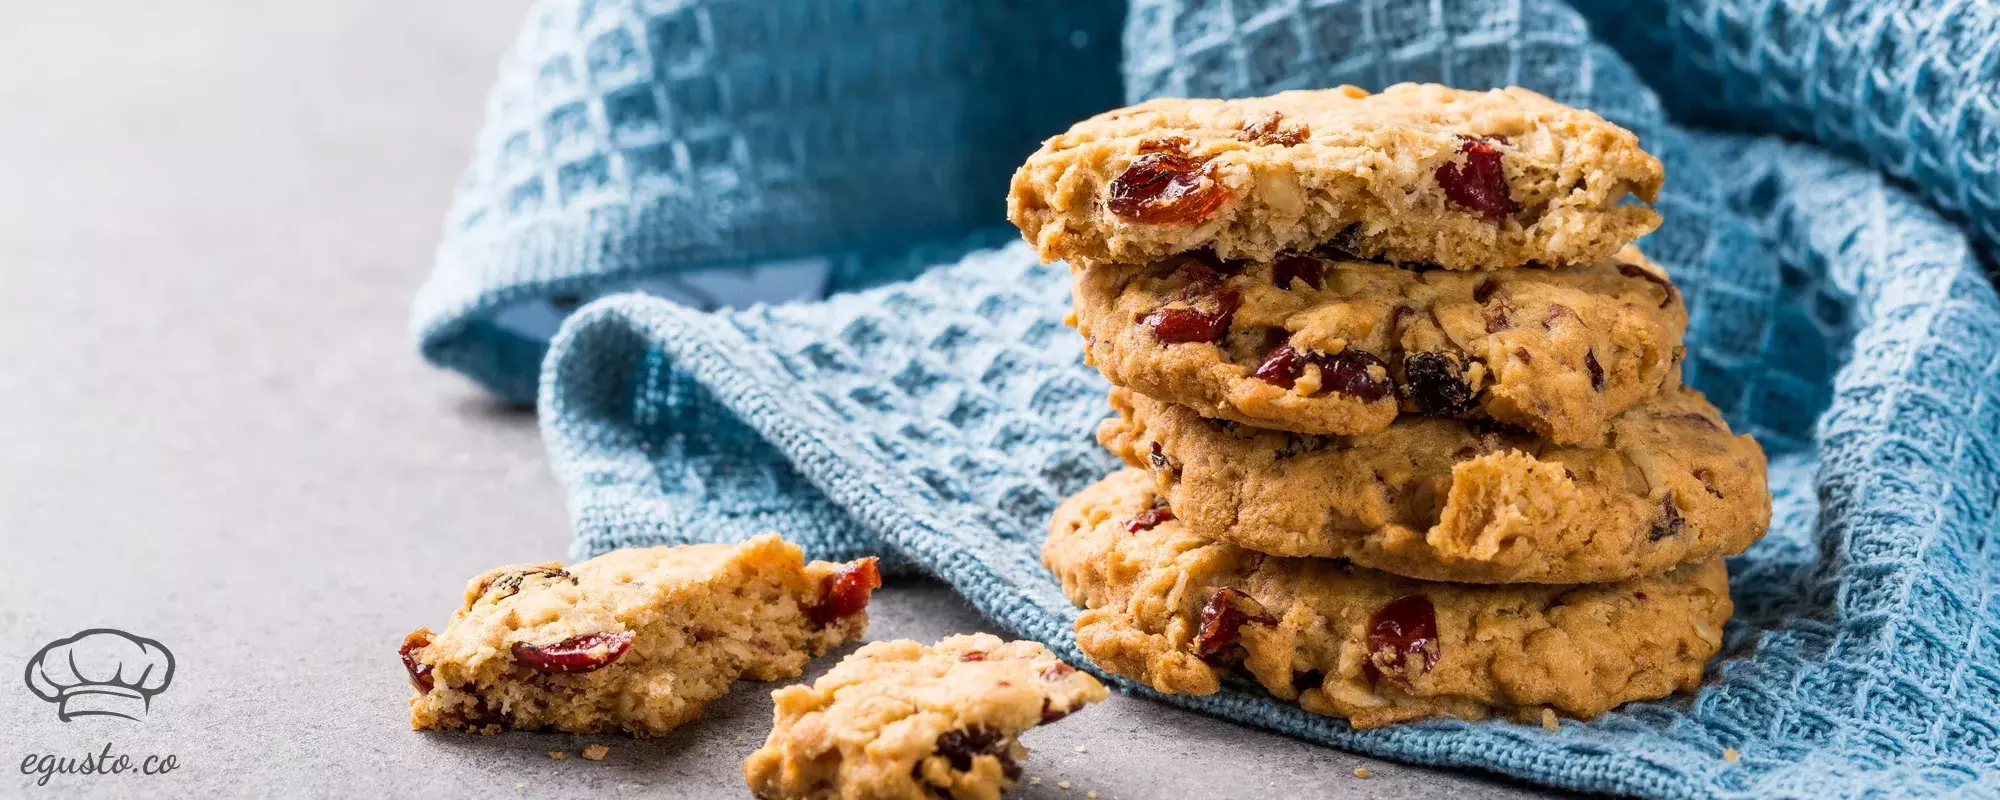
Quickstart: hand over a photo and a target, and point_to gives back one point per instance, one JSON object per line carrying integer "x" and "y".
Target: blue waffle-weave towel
{"x": 1838, "y": 312}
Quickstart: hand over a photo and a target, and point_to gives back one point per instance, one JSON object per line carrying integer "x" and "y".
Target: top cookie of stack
{"x": 1417, "y": 173}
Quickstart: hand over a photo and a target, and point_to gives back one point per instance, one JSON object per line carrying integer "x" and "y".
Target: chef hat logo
{"x": 101, "y": 672}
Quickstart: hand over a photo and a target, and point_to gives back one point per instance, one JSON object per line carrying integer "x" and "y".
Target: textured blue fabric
{"x": 1840, "y": 317}
{"x": 630, "y": 139}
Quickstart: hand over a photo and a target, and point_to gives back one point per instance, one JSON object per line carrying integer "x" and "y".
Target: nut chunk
{"x": 633, "y": 640}
{"x": 899, "y": 719}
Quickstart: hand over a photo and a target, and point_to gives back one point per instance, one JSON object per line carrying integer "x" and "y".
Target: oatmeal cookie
{"x": 1451, "y": 500}
{"x": 1418, "y": 173}
{"x": 1328, "y": 345}
{"x": 1178, "y": 612}
{"x": 902, "y": 720}
{"x": 634, "y": 640}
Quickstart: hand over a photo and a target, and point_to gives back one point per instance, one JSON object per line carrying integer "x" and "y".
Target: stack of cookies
{"x": 1401, "y": 405}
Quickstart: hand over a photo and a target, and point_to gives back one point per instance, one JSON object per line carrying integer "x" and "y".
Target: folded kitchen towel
{"x": 1837, "y": 312}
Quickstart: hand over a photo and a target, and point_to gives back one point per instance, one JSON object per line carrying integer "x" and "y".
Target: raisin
{"x": 1344, "y": 246}
{"x": 1708, "y": 481}
{"x": 1282, "y": 367}
{"x": 1185, "y": 324}
{"x": 1296, "y": 267}
{"x": 1296, "y": 443}
{"x": 1149, "y": 519}
{"x": 1222, "y": 620}
{"x": 962, "y": 745}
{"x": 420, "y": 673}
{"x": 510, "y": 583}
{"x": 1272, "y": 130}
{"x": 1478, "y": 184}
{"x": 1435, "y": 383}
{"x": 1596, "y": 372}
{"x": 1523, "y": 354}
{"x": 1166, "y": 187}
{"x": 845, "y": 592}
{"x": 1636, "y": 271}
{"x": 1406, "y": 627}
{"x": 1669, "y": 523}
{"x": 1349, "y": 372}
{"x": 586, "y": 653}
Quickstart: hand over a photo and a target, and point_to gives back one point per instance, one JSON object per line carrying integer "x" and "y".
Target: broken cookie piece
{"x": 904, "y": 720}
{"x": 634, "y": 640}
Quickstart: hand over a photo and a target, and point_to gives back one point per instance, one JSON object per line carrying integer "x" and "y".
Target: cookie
{"x": 1320, "y": 345}
{"x": 903, "y": 720}
{"x": 1178, "y": 612}
{"x": 1442, "y": 499}
{"x": 634, "y": 640}
{"x": 1418, "y": 173}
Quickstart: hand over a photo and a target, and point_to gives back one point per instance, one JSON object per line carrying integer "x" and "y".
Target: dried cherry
{"x": 845, "y": 592}
{"x": 1352, "y": 373}
{"x": 585, "y": 653}
{"x": 1478, "y": 184}
{"x": 1406, "y": 627}
{"x": 1166, "y": 187}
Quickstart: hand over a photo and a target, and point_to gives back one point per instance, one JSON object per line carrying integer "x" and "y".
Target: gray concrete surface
{"x": 214, "y": 432}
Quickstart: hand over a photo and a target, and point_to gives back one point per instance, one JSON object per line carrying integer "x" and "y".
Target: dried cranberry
{"x": 1596, "y": 371}
{"x": 845, "y": 592}
{"x": 961, "y": 746}
{"x": 420, "y": 673}
{"x": 1669, "y": 523}
{"x": 1272, "y": 130}
{"x": 1166, "y": 187}
{"x": 1636, "y": 271}
{"x": 1148, "y": 519}
{"x": 1349, "y": 372}
{"x": 1222, "y": 620}
{"x": 972, "y": 656}
{"x": 1282, "y": 367}
{"x": 586, "y": 653}
{"x": 1479, "y": 184}
{"x": 1499, "y": 317}
{"x": 1525, "y": 356}
{"x": 1405, "y": 627}
{"x": 1158, "y": 458}
{"x": 1057, "y": 671}
{"x": 1435, "y": 383}
{"x": 1297, "y": 267}
{"x": 1052, "y": 714}
{"x": 1184, "y": 324}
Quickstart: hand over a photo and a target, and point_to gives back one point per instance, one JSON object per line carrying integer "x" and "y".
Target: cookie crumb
{"x": 1361, "y": 772}
{"x": 1063, "y": 785}
{"x": 558, "y": 755}
{"x": 596, "y": 752}
{"x": 520, "y": 786}
{"x": 1079, "y": 748}
{"x": 1034, "y": 781}
{"x": 1730, "y": 755}
{"x": 1549, "y": 721}
{"x": 1090, "y": 795}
